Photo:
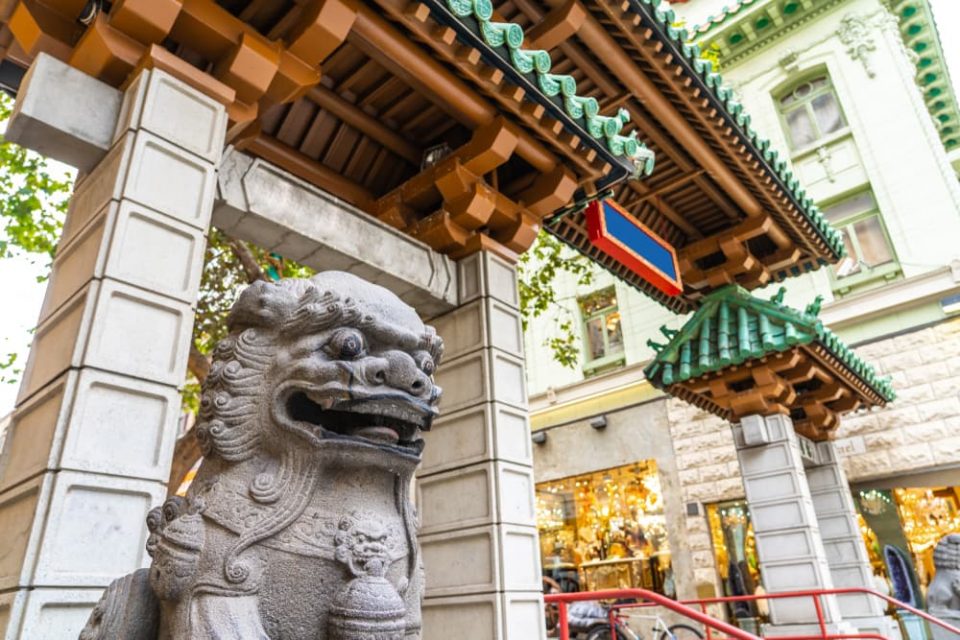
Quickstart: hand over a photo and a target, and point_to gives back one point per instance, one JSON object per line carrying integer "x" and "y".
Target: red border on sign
{"x": 614, "y": 247}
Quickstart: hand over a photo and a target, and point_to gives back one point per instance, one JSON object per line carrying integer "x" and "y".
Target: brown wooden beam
{"x": 310, "y": 170}
{"x": 558, "y": 25}
{"x": 370, "y": 126}
{"x": 397, "y": 52}
{"x": 601, "y": 42}
{"x": 670, "y": 185}
{"x": 665, "y": 209}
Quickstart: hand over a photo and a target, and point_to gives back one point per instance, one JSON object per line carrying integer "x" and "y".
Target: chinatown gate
{"x": 421, "y": 145}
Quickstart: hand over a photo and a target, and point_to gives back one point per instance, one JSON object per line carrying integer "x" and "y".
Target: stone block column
{"x": 843, "y": 543}
{"x": 475, "y": 490}
{"x": 791, "y": 554}
{"x": 92, "y": 435}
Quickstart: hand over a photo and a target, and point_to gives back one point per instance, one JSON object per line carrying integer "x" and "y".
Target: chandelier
{"x": 926, "y": 517}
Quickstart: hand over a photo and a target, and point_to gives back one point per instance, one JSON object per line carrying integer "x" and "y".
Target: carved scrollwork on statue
{"x": 175, "y": 544}
{"x": 368, "y": 607}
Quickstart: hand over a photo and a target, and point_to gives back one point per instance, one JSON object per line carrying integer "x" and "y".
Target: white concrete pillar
{"x": 90, "y": 444}
{"x": 475, "y": 490}
{"x": 843, "y": 543}
{"x": 789, "y": 548}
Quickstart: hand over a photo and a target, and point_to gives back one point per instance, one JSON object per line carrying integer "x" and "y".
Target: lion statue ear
{"x": 260, "y": 305}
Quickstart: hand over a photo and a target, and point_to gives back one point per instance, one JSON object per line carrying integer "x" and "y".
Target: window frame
{"x": 608, "y": 359}
{"x": 805, "y": 103}
{"x": 867, "y": 274}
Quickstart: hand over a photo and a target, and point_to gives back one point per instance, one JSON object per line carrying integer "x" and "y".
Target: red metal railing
{"x": 711, "y": 624}
{"x": 652, "y": 599}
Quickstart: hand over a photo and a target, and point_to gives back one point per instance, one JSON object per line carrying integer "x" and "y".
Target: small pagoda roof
{"x": 739, "y": 355}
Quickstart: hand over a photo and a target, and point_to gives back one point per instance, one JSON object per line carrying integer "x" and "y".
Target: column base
{"x": 880, "y": 625}
{"x": 913, "y": 623}
{"x": 833, "y": 628}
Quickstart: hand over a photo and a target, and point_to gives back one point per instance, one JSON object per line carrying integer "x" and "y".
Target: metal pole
{"x": 819, "y": 607}
{"x": 564, "y": 623}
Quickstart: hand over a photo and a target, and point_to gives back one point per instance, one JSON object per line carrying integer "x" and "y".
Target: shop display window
{"x": 605, "y": 530}
{"x": 735, "y": 549}
{"x": 900, "y": 529}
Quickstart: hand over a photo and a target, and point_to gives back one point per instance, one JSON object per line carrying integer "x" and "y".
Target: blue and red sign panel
{"x": 618, "y": 234}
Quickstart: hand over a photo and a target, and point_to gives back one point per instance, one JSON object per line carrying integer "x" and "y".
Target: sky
{"x": 22, "y": 295}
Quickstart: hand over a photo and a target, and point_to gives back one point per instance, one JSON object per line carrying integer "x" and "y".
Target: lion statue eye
{"x": 425, "y": 362}
{"x": 347, "y": 344}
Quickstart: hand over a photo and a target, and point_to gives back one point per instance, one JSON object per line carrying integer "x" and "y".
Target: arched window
{"x": 811, "y": 111}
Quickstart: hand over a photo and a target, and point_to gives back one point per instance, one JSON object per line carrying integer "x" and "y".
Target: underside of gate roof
{"x": 471, "y": 124}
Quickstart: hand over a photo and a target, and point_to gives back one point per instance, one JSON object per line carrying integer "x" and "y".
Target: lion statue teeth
{"x": 299, "y": 524}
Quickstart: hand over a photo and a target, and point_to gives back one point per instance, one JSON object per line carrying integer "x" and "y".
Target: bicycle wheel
{"x": 680, "y": 632}
{"x": 603, "y": 633}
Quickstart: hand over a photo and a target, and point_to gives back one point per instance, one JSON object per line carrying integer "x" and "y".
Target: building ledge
{"x": 900, "y": 294}
{"x": 585, "y": 398}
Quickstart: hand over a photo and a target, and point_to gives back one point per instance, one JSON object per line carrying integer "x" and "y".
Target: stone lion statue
{"x": 299, "y": 524}
{"x": 943, "y": 595}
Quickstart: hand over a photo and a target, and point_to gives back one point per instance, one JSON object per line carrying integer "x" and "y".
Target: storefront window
{"x": 901, "y": 528}
{"x": 736, "y": 555}
{"x": 602, "y": 333}
{"x": 605, "y": 530}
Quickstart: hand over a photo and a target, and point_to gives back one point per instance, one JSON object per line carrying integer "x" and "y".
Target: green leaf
{"x": 538, "y": 269}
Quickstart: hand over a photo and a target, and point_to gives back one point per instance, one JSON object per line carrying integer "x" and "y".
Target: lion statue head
{"x": 330, "y": 361}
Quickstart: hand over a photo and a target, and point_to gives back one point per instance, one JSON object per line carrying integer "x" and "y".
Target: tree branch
{"x": 198, "y": 364}
{"x": 247, "y": 260}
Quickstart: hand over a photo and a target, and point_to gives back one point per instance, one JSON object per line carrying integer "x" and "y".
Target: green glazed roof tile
{"x": 535, "y": 61}
{"x": 732, "y": 326}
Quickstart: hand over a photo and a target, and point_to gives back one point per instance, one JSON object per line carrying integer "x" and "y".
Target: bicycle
{"x": 661, "y": 631}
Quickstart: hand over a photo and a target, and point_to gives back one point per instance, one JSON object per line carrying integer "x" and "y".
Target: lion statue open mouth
{"x": 299, "y": 523}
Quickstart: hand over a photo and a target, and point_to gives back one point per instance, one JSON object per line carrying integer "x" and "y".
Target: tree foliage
{"x": 33, "y": 202}
{"x": 538, "y": 271}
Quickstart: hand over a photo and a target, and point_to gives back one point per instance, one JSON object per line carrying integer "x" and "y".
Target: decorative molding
{"x": 855, "y": 32}
{"x": 826, "y": 161}
{"x": 790, "y": 62}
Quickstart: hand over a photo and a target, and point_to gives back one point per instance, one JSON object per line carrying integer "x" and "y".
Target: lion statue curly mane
{"x": 299, "y": 523}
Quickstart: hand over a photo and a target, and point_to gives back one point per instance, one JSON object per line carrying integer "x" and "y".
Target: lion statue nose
{"x": 398, "y": 370}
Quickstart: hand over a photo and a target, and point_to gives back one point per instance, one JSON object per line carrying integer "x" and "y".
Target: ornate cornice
{"x": 747, "y": 26}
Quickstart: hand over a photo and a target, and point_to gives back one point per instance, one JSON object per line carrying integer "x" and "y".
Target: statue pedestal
{"x": 939, "y": 633}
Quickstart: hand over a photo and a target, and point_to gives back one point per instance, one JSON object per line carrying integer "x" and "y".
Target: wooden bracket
{"x": 557, "y": 26}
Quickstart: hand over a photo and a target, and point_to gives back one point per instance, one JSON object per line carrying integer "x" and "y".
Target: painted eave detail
{"x": 506, "y": 37}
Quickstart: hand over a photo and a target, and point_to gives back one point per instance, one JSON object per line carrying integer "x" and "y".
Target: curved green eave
{"x": 498, "y": 35}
